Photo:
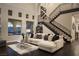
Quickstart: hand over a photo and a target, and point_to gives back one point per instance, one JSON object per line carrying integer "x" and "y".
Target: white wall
{"x": 30, "y": 9}
{"x": 76, "y": 17}
{"x": 65, "y": 20}
{"x": 46, "y": 30}
{"x": 50, "y": 7}
{"x": 73, "y": 30}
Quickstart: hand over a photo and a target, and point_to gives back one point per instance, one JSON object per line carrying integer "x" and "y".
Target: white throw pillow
{"x": 50, "y": 37}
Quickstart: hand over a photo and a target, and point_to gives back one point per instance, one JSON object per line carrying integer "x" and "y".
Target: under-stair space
{"x": 57, "y": 30}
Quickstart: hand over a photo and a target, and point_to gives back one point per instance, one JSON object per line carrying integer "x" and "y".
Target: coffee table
{"x": 23, "y": 49}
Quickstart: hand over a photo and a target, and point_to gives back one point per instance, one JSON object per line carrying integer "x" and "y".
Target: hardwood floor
{"x": 70, "y": 49}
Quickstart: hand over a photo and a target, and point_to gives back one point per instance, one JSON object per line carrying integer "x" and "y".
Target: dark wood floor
{"x": 70, "y": 49}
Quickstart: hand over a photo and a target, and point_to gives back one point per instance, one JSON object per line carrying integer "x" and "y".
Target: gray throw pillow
{"x": 56, "y": 37}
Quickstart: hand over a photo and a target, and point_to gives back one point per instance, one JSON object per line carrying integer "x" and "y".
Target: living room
{"x": 23, "y": 32}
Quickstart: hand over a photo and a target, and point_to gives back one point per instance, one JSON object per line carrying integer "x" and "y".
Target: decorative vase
{"x": 26, "y": 38}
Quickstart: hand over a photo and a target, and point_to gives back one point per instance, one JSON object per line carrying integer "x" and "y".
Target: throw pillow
{"x": 50, "y": 37}
{"x": 46, "y": 37}
{"x": 56, "y": 37}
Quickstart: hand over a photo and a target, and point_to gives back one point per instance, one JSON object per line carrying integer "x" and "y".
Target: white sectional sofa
{"x": 48, "y": 45}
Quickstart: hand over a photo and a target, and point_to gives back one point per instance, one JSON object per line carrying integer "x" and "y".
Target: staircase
{"x": 57, "y": 30}
{"x": 63, "y": 9}
{"x": 52, "y": 28}
{"x": 56, "y": 27}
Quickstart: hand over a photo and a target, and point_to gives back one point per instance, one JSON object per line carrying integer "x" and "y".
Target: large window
{"x": 14, "y": 27}
{"x": 10, "y": 28}
{"x": 18, "y": 28}
{"x": 29, "y": 27}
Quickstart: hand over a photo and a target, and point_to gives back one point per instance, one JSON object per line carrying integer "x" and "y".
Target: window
{"x": 19, "y": 14}
{"x": 29, "y": 27}
{"x": 18, "y": 29}
{"x": 27, "y": 16}
{"x": 14, "y": 27}
{"x": 10, "y": 28}
{"x": 43, "y": 12}
{"x": 10, "y": 12}
{"x": 33, "y": 17}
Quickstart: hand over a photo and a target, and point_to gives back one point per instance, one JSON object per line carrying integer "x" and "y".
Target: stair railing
{"x": 57, "y": 30}
{"x": 61, "y": 27}
{"x": 63, "y": 7}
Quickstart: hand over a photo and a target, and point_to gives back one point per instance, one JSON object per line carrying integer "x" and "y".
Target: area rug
{"x": 22, "y": 51}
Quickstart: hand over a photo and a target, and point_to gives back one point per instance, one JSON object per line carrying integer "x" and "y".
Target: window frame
{"x": 15, "y": 32}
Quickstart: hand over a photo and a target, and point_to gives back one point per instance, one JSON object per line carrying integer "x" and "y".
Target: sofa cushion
{"x": 31, "y": 35}
{"x": 50, "y": 37}
{"x": 46, "y": 37}
{"x": 38, "y": 36}
{"x": 47, "y": 44}
{"x": 56, "y": 37}
{"x": 34, "y": 41}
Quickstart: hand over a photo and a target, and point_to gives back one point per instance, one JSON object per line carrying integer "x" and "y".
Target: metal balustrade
{"x": 59, "y": 9}
{"x": 56, "y": 30}
{"x": 62, "y": 27}
{"x": 63, "y": 7}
